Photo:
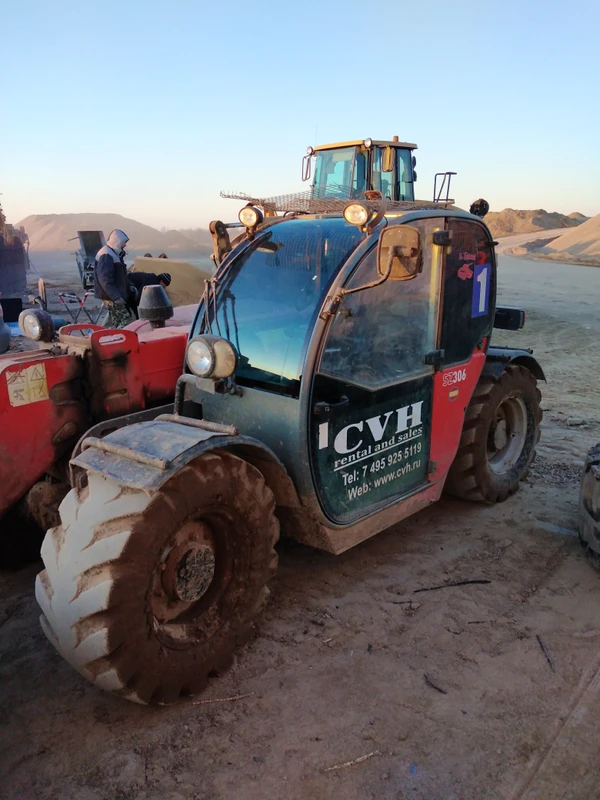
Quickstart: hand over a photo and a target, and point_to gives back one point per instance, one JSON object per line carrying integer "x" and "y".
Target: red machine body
{"x": 50, "y": 397}
{"x": 452, "y": 391}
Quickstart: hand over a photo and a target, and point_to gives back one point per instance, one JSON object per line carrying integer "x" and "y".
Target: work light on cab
{"x": 211, "y": 356}
{"x": 36, "y": 324}
{"x": 357, "y": 214}
{"x": 250, "y": 216}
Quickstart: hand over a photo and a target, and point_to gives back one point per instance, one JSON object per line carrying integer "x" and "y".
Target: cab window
{"x": 469, "y": 290}
{"x": 379, "y": 336}
{"x": 334, "y": 169}
{"x": 397, "y": 184}
{"x": 405, "y": 185}
{"x": 384, "y": 182}
{"x": 271, "y": 293}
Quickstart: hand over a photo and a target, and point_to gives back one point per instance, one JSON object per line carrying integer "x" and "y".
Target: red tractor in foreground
{"x": 75, "y": 384}
{"x": 338, "y": 377}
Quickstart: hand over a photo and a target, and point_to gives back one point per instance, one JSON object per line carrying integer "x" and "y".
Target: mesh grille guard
{"x": 332, "y": 200}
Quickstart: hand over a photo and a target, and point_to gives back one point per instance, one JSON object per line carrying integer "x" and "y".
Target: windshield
{"x": 338, "y": 169}
{"x": 271, "y": 293}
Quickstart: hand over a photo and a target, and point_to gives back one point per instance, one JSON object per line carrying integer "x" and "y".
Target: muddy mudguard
{"x": 144, "y": 456}
{"x": 498, "y": 358}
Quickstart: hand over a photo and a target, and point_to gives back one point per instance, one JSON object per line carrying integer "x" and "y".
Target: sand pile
{"x": 53, "y": 231}
{"x": 511, "y": 222}
{"x": 581, "y": 244}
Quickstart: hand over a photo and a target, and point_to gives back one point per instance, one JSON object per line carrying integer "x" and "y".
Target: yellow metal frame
{"x": 358, "y": 142}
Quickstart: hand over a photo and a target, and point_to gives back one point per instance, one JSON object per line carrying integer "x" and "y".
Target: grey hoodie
{"x": 110, "y": 272}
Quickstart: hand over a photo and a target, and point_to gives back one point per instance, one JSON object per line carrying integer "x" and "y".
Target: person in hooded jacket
{"x": 111, "y": 283}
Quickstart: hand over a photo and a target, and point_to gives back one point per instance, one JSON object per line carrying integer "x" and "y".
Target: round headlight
{"x": 250, "y": 216}
{"x": 356, "y": 214}
{"x": 36, "y": 324}
{"x": 200, "y": 358}
{"x": 211, "y": 356}
{"x": 310, "y": 150}
{"x": 31, "y": 327}
{"x": 368, "y": 143}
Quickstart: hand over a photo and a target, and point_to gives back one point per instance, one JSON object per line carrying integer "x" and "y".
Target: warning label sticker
{"x": 28, "y": 385}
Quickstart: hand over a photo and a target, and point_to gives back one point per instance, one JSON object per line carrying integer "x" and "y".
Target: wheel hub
{"x": 508, "y": 435}
{"x": 189, "y": 571}
{"x": 501, "y": 435}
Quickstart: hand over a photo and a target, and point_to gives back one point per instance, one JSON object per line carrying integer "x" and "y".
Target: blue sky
{"x": 149, "y": 109}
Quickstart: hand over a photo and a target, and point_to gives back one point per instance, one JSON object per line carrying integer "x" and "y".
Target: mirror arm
{"x": 221, "y": 241}
{"x": 382, "y": 208}
{"x": 378, "y": 282}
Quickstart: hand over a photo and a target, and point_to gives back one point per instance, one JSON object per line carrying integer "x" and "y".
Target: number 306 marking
{"x": 481, "y": 290}
{"x": 456, "y": 376}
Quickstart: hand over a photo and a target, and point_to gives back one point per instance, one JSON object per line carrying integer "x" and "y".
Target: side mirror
{"x": 306, "y": 167}
{"x": 388, "y": 159}
{"x": 509, "y": 319}
{"x": 399, "y": 254}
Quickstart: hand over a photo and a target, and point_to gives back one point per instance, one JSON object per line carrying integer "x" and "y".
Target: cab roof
{"x": 358, "y": 142}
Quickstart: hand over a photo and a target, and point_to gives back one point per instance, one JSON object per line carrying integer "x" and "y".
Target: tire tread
{"x": 469, "y": 476}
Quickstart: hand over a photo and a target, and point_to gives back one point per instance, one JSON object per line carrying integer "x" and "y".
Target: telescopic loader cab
{"x": 352, "y": 168}
{"x": 339, "y": 376}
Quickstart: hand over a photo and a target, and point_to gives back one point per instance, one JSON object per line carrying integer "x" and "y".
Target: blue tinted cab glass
{"x": 271, "y": 293}
{"x": 340, "y": 171}
{"x": 397, "y": 184}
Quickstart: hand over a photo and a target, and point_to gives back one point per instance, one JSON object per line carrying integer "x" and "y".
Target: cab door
{"x": 371, "y": 404}
{"x": 467, "y": 318}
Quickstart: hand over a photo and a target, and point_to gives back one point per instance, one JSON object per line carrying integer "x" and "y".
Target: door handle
{"x": 324, "y": 408}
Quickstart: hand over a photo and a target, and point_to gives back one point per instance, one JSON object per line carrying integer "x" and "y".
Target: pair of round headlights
{"x": 208, "y": 356}
{"x": 211, "y": 356}
{"x": 355, "y": 213}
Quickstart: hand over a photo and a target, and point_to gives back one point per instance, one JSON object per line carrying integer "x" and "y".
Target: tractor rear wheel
{"x": 23, "y": 528}
{"x": 500, "y": 432}
{"x": 147, "y": 597}
{"x": 589, "y": 507}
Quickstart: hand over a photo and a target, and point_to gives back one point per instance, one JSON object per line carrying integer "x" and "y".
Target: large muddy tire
{"x": 500, "y": 432}
{"x": 589, "y": 507}
{"x": 147, "y": 597}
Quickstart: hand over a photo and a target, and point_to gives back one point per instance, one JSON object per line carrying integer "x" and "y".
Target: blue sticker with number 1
{"x": 481, "y": 289}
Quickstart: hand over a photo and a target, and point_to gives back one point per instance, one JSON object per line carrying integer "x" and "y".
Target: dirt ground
{"x": 434, "y": 695}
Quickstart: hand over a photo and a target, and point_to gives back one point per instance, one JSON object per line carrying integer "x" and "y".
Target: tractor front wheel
{"x": 147, "y": 597}
{"x": 500, "y": 432}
